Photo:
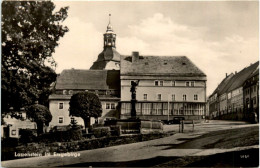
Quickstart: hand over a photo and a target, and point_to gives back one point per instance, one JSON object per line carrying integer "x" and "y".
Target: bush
{"x": 74, "y": 134}
{"x": 27, "y": 136}
{"x": 10, "y": 142}
{"x": 71, "y": 134}
{"x": 101, "y": 132}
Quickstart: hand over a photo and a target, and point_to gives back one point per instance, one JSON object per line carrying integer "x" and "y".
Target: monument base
{"x": 136, "y": 125}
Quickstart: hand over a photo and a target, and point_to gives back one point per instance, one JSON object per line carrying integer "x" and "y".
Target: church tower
{"x": 109, "y": 58}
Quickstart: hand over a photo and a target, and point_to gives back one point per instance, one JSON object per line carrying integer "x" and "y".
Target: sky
{"x": 219, "y": 36}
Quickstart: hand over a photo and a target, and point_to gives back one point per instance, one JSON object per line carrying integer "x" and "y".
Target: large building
{"x": 105, "y": 83}
{"x": 251, "y": 93}
{"x": 103, "y": 78}
{"x": 218, "y": 100}
{"x": 229, "y": 97}
{"x": 168, "y": 86}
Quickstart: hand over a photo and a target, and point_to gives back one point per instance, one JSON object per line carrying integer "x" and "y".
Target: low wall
{"x": 137, "y": 125}
{"x": 164, "y": 117}
{"x": 151, "y": 127}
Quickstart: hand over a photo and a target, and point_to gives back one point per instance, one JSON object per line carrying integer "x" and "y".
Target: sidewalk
{"x": 136, "y": 151}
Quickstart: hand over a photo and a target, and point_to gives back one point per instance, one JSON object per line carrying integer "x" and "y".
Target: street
{"x": 214, "y": 138}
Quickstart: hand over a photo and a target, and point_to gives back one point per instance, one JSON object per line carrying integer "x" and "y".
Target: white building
{"x": 12, "y": 125}
{"x": 105, "y": 83}
{"x": 103, "y": 78}
{"x": 171, "y": 86}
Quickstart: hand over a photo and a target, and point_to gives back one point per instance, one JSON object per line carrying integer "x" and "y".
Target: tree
{"x": 39, "y": 114}
{"x": 85, "y": 105}
{"x": 30, "y": 33}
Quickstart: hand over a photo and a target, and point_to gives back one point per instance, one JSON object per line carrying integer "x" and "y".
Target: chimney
{"x": 235, "y": 72}
{"x": 226, "y": 74}
{"x": 135, "y": 56}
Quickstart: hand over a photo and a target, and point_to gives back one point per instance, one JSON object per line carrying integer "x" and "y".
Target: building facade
{"x": 230, "y": 96}
{"x": 104, "y": 83}
{"x": 218, "y": 99}
{"x": 168, "y": 87}
{"x": 251, "y": 93}
{"x": 12, "y": 125}
{"x": 103, "y": 79}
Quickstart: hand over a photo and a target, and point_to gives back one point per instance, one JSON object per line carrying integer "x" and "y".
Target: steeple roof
{"x": 109, "y": 26}
{"x": 109, "y": 54}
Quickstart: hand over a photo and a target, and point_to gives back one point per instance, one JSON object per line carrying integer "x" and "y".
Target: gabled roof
{"x": 222, "y": 84}
{"x": 77, "y": 79}
{"x": 256, "y": 72}
{"x": 239, "y": 78}
{"x": 159, "y": 65}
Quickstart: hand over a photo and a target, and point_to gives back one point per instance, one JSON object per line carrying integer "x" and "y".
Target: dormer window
{"x": 65, "y": 92}
{"x": 71, "y": 92}
{"x": 161, "y": 83}
{"x": 158, "y": 83}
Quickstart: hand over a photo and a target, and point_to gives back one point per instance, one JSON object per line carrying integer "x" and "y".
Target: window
{"x": 107, "y": 105}
{"x": 145, "y": 96}
{"x": 184, "y": 97}
{"x": 113, "y": 106}
{"x": 157, "y": 109}
{"x": 60, "y": 105}
{"x": 195, "y": 97}
{"x": 173, "y": 97}
{"x": 13, "y": 132}
{"x": 192, "y": 83}
{"x": 146, "y": 108}
{"x": 61, "y": 119}
{"x": 187, "y": 83}
{"x": 159, "y": 97}
{"x": 161, "y": 83}
{"x": 71, "y": 92}
{"x": 173, "y": 83}
{"x": 65, "y": 92}
{"x": 156, "y": 83}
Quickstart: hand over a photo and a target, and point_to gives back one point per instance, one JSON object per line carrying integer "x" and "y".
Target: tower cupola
{"x": 109, "y": 36}
{"x": 109, "y": 58}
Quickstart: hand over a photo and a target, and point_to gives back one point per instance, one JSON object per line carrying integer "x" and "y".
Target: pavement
{"x": 141, "y": 150}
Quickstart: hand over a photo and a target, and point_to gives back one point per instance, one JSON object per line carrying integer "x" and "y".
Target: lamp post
{"x": 168, "y": 108}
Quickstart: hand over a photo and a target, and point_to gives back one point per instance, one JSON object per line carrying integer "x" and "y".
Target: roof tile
{"x": 159, "y": 65}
